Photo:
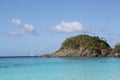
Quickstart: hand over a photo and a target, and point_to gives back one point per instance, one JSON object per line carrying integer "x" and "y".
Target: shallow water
{"x": 59, "y": 69}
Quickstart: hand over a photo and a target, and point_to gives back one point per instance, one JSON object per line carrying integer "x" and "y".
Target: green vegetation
{"x": 86, "y": 41}
{"x": 117, "y": 48}
{"x": 86, "y": 46}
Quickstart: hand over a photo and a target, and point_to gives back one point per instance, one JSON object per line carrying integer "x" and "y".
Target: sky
{"x": 35, "y": 27}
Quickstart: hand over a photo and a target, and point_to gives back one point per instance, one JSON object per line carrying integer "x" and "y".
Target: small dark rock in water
{"x": 103, "y": 61}
{"x": 5, "y": 66}
{"x": 16, "y": 65}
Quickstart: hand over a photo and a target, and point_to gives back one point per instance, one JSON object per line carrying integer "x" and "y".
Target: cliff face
{"x": 79, "y": 53}
{"x": 116, "y": 51}
{"x": 83, "y": 46}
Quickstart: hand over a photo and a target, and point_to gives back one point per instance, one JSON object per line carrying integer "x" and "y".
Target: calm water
{"x": 59, "y": 69}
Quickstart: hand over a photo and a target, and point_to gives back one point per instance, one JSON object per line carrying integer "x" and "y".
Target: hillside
{"x": 83, "y": 46}
{"x": 116, "y": 51}
{"x": 86, "y": 41}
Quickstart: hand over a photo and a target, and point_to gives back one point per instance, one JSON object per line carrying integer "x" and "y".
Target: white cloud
{"x": 16, "y": 22}
{"x": 25, "y": 28}
{"x": 16, "y": 33}
{"x": 68, "y": 27}
{"x": 28, "y": 27}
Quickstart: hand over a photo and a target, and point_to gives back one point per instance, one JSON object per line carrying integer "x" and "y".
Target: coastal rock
{"x": 116, "y": 51}
{"x": 83, "y": 46}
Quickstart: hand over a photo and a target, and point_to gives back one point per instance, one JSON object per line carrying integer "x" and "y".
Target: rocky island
{"x": 85, "y": 46}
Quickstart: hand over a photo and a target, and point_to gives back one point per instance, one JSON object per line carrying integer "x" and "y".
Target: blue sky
{"x": 40, "y": 26}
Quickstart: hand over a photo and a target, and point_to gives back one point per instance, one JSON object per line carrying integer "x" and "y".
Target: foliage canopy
{"x": 86, "y": 41}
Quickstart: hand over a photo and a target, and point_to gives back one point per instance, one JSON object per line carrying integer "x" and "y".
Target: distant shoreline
{"x": 18, "y": 56}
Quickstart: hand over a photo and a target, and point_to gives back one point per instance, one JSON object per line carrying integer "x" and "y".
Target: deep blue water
{"x": 59, "y": 68}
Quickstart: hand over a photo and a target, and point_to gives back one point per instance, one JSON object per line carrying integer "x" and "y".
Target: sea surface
{"x": 59, "y": 68}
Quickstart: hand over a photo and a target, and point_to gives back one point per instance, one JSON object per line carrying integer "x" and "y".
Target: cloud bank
{"x": 16, "y": 33}
{"x": 67, "y": 27}
{"x": 16, "y": 22}
{"x": 24, "y": 28}
{"x": 28, "y": 27}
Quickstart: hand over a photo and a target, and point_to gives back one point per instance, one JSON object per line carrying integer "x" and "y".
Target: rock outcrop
{"x": 84, "y": 46}
{"x": 115, "y": 52}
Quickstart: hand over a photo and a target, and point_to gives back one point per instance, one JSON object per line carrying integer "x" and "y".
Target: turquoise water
{"x": 59, "y": 69}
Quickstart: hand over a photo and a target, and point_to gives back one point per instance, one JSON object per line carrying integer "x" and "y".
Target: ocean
{"x": 26, "y": 68}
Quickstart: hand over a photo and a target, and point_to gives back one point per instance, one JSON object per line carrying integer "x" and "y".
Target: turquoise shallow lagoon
{"x": 59, "y": 69}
